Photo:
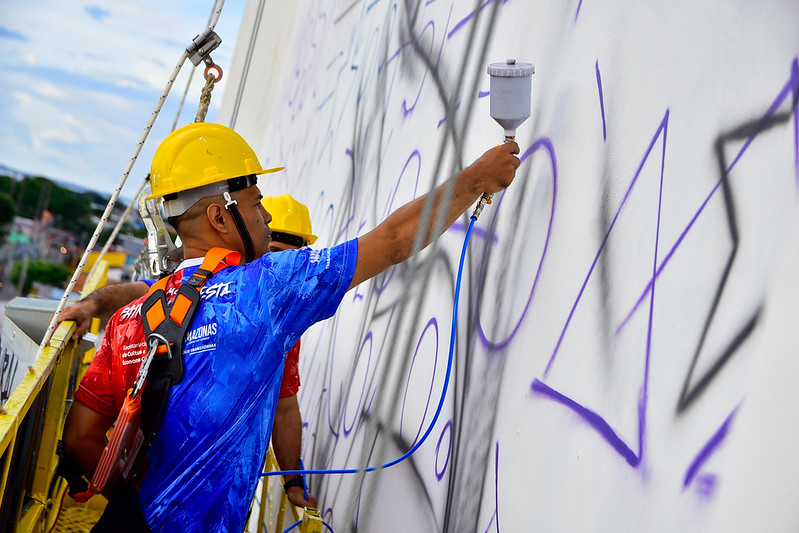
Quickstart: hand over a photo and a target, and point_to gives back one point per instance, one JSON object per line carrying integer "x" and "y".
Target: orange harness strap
{"x": 155, "y": 309}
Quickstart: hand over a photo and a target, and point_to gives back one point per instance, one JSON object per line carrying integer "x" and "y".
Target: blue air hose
{"x": 416, "y": 446}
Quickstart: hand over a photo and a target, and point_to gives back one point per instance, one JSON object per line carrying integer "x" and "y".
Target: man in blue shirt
{"x": 204, "y": 463}
{"x": 291, "y": 229}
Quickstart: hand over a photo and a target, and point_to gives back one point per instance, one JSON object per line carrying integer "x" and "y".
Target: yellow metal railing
{"x": 272, "y": 510}
{"x": 31, "y": 422}
{"x": 33, "y": 498}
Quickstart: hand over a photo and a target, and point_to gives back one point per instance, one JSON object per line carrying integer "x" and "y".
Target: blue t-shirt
{"x": 205, "y": 461}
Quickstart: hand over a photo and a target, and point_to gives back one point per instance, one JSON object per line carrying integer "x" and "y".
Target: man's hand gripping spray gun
{"x": 511, "y": 90}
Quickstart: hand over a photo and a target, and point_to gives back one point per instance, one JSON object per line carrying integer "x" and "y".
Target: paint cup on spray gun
{"x": 511, "y": 91}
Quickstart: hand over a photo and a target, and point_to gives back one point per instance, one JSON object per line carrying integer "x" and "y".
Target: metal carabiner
{"x": 153, "y": 341}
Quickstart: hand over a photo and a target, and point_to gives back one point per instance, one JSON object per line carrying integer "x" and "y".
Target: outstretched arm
{"x": 391, "y": 242}
{"x": 102, "y": 303}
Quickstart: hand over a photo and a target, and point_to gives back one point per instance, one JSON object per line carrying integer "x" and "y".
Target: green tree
{"x": 7, "y": 184}
{"x": 8, "y": 210}
{"x": 71, "y": 211}
{"x": 42, "y": 271}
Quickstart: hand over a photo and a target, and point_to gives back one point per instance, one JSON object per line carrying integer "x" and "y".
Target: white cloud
{"x": 53, "y": 134}
{"x": 72, "y": 121}
{"x": 83, "y": 88}
{"x": 22, "y": 98}
{"x": 152, "y": 73}
{"x": 49, "y": 90}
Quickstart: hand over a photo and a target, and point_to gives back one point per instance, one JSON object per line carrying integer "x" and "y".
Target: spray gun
{"x": 159, "y": 244}
{"x": 511, "y": 89}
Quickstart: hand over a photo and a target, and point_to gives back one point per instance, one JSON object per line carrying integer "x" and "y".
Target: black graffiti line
{"x": 749, "y": 131}
{"x": 787, "y": 89}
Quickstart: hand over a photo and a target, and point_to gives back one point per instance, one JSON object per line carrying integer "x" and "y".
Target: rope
{"x": 124, "y": 216}
{"x": 112, "y": 201}
{"x": 205, "y": 98}
{"x": 117, "y": 228}
{"x": 89, "y": 247}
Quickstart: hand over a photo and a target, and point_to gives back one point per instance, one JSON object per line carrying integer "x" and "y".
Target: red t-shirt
{"x": 106, "y": 383}
{"x": 291, "y": 373}
{"x": 94, "y": 391}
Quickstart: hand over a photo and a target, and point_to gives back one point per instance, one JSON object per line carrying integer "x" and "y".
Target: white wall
{"x": 663, "y": 144}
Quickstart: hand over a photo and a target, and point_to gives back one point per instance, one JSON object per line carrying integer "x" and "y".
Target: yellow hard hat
{"x": 289, "y": 216}
{"x": 199, "y": 155}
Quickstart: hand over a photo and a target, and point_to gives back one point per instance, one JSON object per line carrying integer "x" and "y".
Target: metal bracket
{"x": 159, "y": 243}
{"x": 202, "y": 45}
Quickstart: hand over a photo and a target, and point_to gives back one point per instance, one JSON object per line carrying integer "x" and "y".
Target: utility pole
{"x": 38, "y": 230}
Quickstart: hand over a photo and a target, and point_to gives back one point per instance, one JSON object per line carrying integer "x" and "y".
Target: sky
{"x": 80, "y": 80}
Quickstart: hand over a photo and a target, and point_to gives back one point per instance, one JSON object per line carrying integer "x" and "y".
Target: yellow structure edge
{"x": 54, "y": 363}
{"x": 46, "y": 500}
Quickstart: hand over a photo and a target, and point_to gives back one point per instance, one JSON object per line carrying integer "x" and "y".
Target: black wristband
{"x": 295, "y": 482}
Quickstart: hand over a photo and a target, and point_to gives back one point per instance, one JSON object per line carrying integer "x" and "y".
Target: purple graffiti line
{"x": 443, "y": 120}
{"x": 708, "y": 449}
{"x": 469, "y": 17}
{"x": 495, "y": 514}
{"x": 408, "y": 110}
{"x": 355, "y": 417}
{"x": 795, "y": 84}
{"x": 448, "y": 430}
{"x": 332, "y": 426}
{"x": 660, "y": 130}
{"x": 545, "y": 144}
{"x": 354, "y": 191}
{"x": 601, "y": 97}
{"x": 432, "y": 323}
{"x": 417, "y": 158}
{"x": 496, "y": 490}
{"x": 592, "y": 418}
{"x": 577, "y": 13}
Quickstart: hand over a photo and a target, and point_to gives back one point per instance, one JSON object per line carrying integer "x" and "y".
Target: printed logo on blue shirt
{"x": 201, "y": 339}
{"x": 315, "y": 256}
{"x": 216, "y": 290}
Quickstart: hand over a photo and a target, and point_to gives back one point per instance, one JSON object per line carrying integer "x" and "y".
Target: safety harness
{"x": 165, "y": 327}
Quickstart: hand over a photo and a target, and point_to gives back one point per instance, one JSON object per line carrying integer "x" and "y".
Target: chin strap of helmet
{"x": 231, "y": 206}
